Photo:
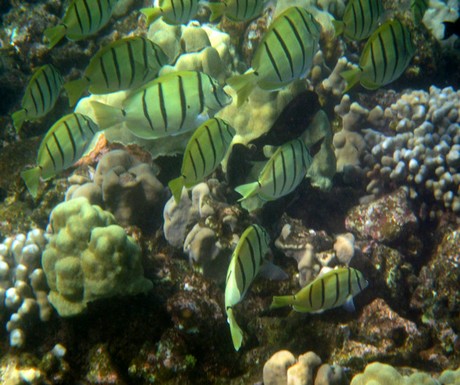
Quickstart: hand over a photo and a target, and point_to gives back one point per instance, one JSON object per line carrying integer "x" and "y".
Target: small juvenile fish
{"x": 169, "y": 105}
{"x": 359, "y": 19}
{"x": 173, "y": 11}
{"x": 204, "y": 152}
{"x": 64, "y": 144}
{"x": 284, "y": 54}
{"x": 244, "y": 266}
{"x": 385, "y": 57}
{"x": 333, "y": 289}
{"x": 236, "y": 10}
{"x": 124, "y": 64}
{"x": 82, "y": 18}
{"x": 418, "y": 8}
{"x": 282, "y": 173}
{"x": 40, "y": 96}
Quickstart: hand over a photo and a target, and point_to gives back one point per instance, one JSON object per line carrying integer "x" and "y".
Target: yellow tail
{"x": 55, "y": 34}
{"x": 351, "y": 77}
{"x": 19, "y": 117}
{"x": 281, "y": 301}
{"x": 32, "y": 178}
{"x": 176, "y": 186}
{"x": 243, "y": 85}
{"x": 247, "y": 190}
{"x": 217, "y": 10}
{"x": 235, "y": 330}
{"x": 151, "y": 14}
{"x": 75, "y": 89}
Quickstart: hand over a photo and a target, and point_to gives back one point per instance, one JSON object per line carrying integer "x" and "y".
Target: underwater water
{"x": 230, "y": 192}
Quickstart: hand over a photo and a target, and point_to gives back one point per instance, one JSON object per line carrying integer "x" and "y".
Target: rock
{"x": 275, "y": 369}
{"x": 302, "y": 372}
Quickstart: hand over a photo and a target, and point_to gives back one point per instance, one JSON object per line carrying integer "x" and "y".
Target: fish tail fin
{"x": 217, "y": 10}
{"x": 19, "y": 117}
{"x": 281, "y": 301}
{"x": 32, "y": 178}
{"x": 243, "y": 85}
{"x": 338, "y": 27}
{"x": 151, "y": 14}
{"x": 246, "y": 190}
{"x": 75, "y": 89}
{"x": 106, "y": 116}
{"x": 55, "y": 34}
{"x": 351, "y": 77}
{"x": 176, "y": 186}
{"x": 235, "y": 330}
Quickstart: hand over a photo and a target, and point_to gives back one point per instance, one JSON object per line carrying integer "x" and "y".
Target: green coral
{"x": 89, "y": 257}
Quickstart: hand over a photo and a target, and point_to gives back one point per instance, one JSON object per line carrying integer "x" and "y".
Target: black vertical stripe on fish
{"x": 283, "y": 163}
{"x": 371, "y": 10}
{"x": 182, "y": 5}
{"x": 48, "y": 85}
{"x": 291, "y": 145}
{"x": 173, "y": 5}
{"x": 404, "y": 37}
{"x": 80, "y": 128}
{"x": 355, "y": 24}
{"x": 131, "y": 63}
{"x": 214, "y": 90}
{"x": 55, "y": 78}
{"x": 72, "y": 142}
{"x": 272, "y": 60}
{"x": 117, "y": 66}
{"x": 212, "y": 147}
{"x": 246, "y": 7}
{"x": 34, "y": 100}
{"x": 88, "y": 13}
{"x": 259, "y": 243}
{"x": 384, "y": 57}
{"x": 78, "y": 18}
{"x": 374, "y": 65}
{"x": 42, "y": 98}
{"x": 358, "y": 280}
{"x": 322, "y": 293}
{"x": 104, "y": 71}
{"x": 362, "y": 19}
{"x": 88, "y": 123}
{"x": 243, "y": 275}
{"x": 200, "y": 150}
{"x": 310, "y": 295}
{"x": 61, "y": 151}
{"x": 396, "y": 51}
{"x": 145, "y": 57}
{"x": 193, "y": 165}
{"x": 220, "y": 130}
{"x": 51, "y": 157}
{"x": 305, "y": 22}
{"x": 337, "y": 288}
{"x": 285, "y": 49}
{"x": 99, "y": 7}
{"x": 274, "y": 178}
{"x": 251, "y": 251}
{"x": 161, "y": 99}
{"x": 349, "y": 282}
{"x": 145, "y": 110}
{"x": 304, "y": 161}
{"x": 183, "y": 101}
{"x": 200, "y": 92}
{"x": 190, "y": 8}
{"x": 299, "y": 40}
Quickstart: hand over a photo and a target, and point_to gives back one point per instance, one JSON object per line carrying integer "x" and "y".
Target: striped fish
{"x": 244, "y": 266}
{"x": 418, "y": 8}
{"x": 169, "y": 105}
{"x": 173, "y": 11}
{"x": 360, "y": 19}
{"x": 40, "y": 96}
{"x": 124, "y": 64}
{"x": 236, "y": 10}
{"x": 284, "y": 54}
{"x": 282, "y": 173}
{"x": 333, "y": 289}
{"x": 204, "y": 152}
{"x": 64, "y": 144}
{"x": 385, "y": 57}
{"x": 82, "y": 18}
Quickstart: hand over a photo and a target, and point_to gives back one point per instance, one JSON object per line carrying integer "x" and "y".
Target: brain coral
{"x": 88, "y": 257}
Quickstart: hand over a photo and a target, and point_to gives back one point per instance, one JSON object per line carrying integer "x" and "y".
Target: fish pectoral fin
{"x": 270, "y": 271}
{"x": 349, "y": 304}
{"x": 235, "y": 330}
{"x": 247, "y": 190}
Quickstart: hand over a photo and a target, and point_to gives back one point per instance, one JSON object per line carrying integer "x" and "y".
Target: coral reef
{"x": 88, "y": 257}
{"x": 126, "y": 187}
{"x": 23, "y": 287}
